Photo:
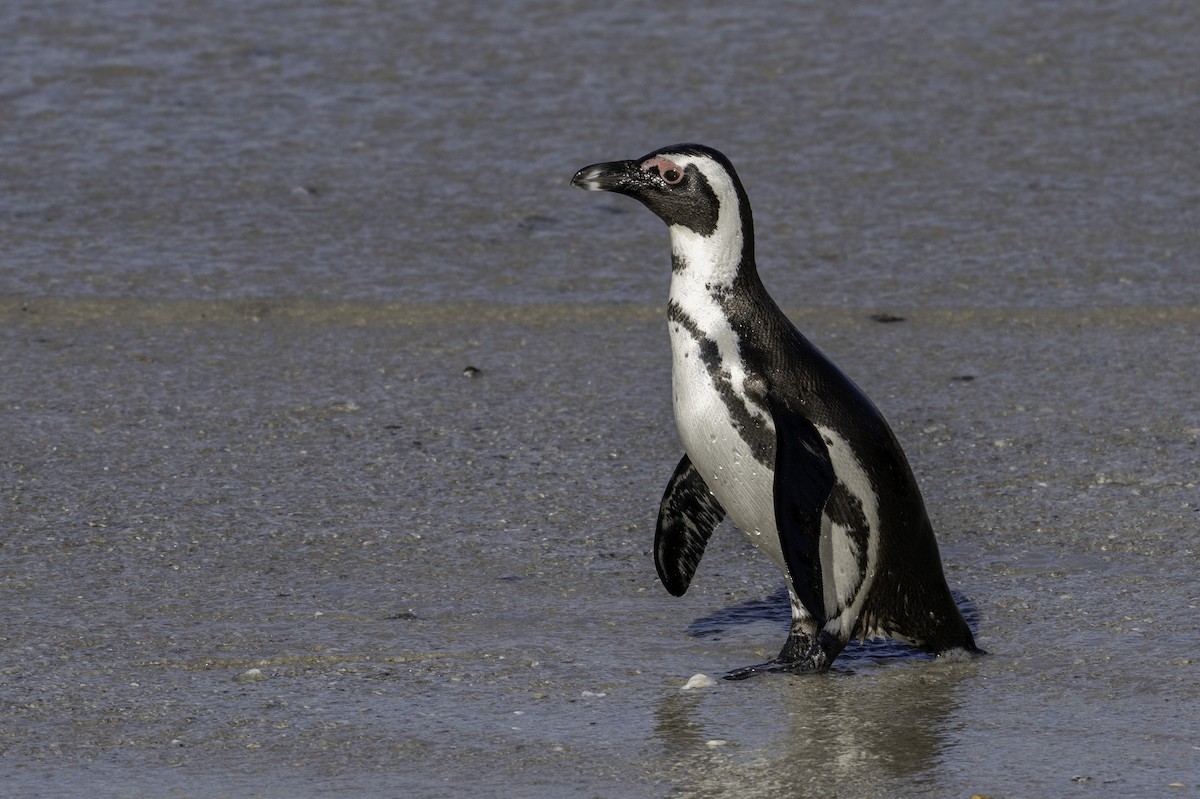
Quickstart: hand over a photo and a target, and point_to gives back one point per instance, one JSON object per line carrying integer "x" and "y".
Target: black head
{"x": 685, "y": 184}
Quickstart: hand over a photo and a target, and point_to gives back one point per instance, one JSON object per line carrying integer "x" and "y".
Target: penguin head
{"x": 688, "y": 185}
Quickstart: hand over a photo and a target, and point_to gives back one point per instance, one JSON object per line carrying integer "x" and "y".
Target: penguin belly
{"x": 742, "y": 483}
{"x": 721, "y": 450}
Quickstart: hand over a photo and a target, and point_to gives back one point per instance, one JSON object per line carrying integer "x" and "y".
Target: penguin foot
{"x": 807, "y": 666}
{"x": 801, "y": 655}
{"x": 750, "y": 671}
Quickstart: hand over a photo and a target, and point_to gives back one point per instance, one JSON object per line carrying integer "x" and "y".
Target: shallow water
{"x": 249, "y": 250}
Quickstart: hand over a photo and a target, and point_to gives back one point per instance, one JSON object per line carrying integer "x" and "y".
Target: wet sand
{"x": 444, "y": 581}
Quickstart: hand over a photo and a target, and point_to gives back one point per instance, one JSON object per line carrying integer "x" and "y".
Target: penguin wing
{"x": 687, "y": 516}
{"x": 804, "y": 479}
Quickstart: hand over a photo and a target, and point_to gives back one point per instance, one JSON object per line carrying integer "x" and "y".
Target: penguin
{"x": 776, "y": 437}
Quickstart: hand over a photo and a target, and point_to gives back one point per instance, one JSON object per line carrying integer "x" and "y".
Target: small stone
{"x": 250, "y": 675}
{"x": 698, "y": 681}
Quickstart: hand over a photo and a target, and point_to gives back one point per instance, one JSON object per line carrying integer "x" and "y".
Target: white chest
{"x": 707, "y": 377}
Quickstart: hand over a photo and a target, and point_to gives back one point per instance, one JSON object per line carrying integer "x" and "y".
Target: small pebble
{"x": 250, "y": 675}
{"x": 698, "y": 681}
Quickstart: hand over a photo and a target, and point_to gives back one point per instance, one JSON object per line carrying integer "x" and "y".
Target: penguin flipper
{"x": 804, "y": 479}
{"x": 687, "y": 516}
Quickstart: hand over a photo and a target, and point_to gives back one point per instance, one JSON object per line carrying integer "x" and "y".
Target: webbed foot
{"x": 801, "y": 655}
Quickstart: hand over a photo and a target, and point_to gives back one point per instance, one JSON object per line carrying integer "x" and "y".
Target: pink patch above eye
{"x": 662, "y": 164}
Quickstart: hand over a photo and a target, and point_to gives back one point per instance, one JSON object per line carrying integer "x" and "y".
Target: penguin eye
{"x": 670, "y": 172}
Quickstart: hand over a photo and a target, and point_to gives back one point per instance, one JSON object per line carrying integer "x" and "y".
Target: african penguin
{"x": 777, "y": 437}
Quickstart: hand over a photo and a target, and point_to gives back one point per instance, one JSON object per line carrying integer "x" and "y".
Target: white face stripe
{"x": 711, "y": 260}
{"x": 709, "y": 265}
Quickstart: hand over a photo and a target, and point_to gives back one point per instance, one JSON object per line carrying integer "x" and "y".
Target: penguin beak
{"x": 619, "y": 176}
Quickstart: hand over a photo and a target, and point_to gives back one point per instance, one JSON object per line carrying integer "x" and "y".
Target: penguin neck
{"x": 709, "y": 268}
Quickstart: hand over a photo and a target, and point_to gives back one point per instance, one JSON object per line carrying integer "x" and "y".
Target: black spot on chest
{"x": 749, "y": 426}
